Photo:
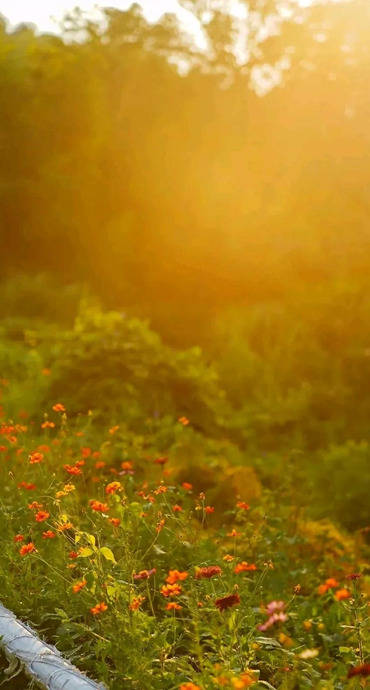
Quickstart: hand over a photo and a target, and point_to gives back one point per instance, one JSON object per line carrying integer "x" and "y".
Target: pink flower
{"x": 275, "y": 618}
{"x": 275, "y": 607}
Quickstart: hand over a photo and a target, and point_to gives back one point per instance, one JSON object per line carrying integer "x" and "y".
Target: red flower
{"x": 114, "y": 521}
{"x": 18, "y": 537}
{"x": 353, "y": 576}
{"x": 42, "y": 515}
{"x": 225, "y": 602}
{"x": 187, "y": 486}
{"x": 361, "y": 670}
{"x": 27, "y": 548}
{"x": 242, "y": 505}
{"x": 98, "y": 506}
{"x": 72, "y": 469}
{"x": 209, "y": 510}
{"x": 207, "y": 572}
{"x": 160, "y": 461}
{"x": 35, "y": 458}
{"x": 48, "y": 535}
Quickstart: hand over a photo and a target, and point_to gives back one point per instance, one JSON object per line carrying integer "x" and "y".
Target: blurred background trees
{"x": 155, "y": 170}
{"x": 217, "y": 185}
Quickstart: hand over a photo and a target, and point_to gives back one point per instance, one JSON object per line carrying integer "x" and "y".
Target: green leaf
{"x": 108, "y": 554}
{"x": 90, "y": 538}
{"x": 87, "y": 551}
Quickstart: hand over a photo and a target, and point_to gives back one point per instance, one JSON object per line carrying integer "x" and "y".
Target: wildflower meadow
{"x": 152, "y": 555}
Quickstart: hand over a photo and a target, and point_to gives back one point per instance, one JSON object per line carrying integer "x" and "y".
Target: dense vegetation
{"x": 189, "y": 192}
{"x": 185, "y": 345}
{"x": 210, "y": 531}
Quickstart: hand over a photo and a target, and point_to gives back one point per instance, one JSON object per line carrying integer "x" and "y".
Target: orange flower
{"x": 160, "y": 525}
{"x": 234, "y": 533}
{"x": 45, "y": 372}
{"x": 177, "y": 509}
{"x": 228, "y": 558}
{"x": 183, "y": 420}
{"x": 244, "y": 566}
{"x": 47, "y": 425}
{"x": 113, "y": 429}
{"x": 225, "y": 602}
{"x": 209, "y": 510}
{"x": 242, "y": 505}
{"x": 99, "y": 608}
{"x": 113, "y": 487}
{"x": 27, "y": 548}
{"x": 34, "y": 505}
{"x": 244, "y": 681}
{"x": 58, "y": 407}
{"x": 86, "y": 452}
{"x": 35, "y": 458}
{"x": 171, "y": 590}
{"x": 48, "y": 535}
{"x": 18, "y": 537}
{"x": 73, "y": 469}
{"x": 173, "y": 606}
{"x": 114, "y": 521}
{"x": 65, "y": 527}
{"x": 98, "y": 506}
{"x": 78, "y": 586}
{"x": 176, "y": 576}
{"x": 136, "y": 602}
{"x": 341, "y": 594}
{"x": 42, "y": 515}
{"x": 207, "y": 571}
{"x": 60, "y": 494}
{"x": 73, "y": 554}
{"x": 99, "y": 465}
{"x": 330, "y": 583}
{"x": 189, "y": 686}
{"x": 161, "y": 490}
{"x": 126, "y": 465}
{"x": 187, "y": 486}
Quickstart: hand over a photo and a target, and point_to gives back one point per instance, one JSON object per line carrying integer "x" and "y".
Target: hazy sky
{"x": 40, "y": 11}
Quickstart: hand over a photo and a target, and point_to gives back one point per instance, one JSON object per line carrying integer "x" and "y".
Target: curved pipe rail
{"x": 40, "y": 661}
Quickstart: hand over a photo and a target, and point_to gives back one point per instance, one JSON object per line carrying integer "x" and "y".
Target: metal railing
{"x": 40, "y": 661}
